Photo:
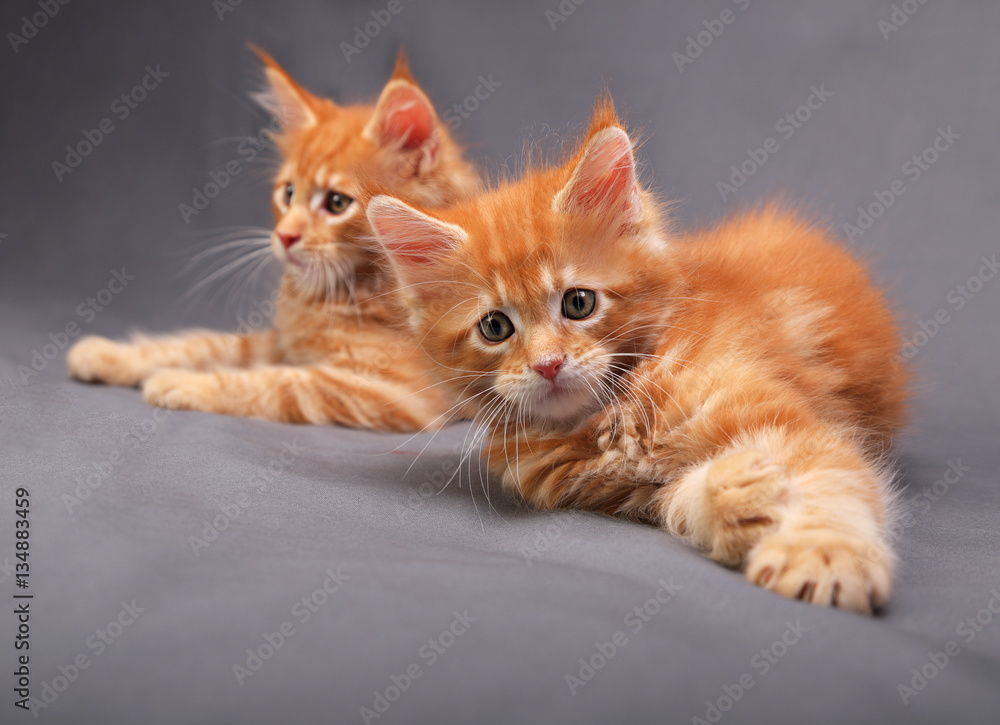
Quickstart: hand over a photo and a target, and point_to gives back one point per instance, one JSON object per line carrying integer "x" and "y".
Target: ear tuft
{"x": 283, "y": 97}
{"x": 604, "y": 178}
{"x": 401, "y": 71}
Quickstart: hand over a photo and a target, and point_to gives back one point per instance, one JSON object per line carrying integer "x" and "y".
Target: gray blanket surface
{"x": 191, "y": 568}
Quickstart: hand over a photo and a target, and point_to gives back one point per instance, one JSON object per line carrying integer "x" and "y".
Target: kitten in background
{"x": 324, "y": 360}
{"x": 736, "y": 386}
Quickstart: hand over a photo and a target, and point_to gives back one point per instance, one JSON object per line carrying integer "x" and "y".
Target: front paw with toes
{"x": 99, "y": 360}
{"x": 746, "y": 495}
{"x": 823, "y": 567}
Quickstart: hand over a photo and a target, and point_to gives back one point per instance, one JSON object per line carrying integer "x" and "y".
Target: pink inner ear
{"x": 614, "y": 184}
{"x": 606, "y": 176}
{"x": 407, "y": 118}
{"x": 409, "y": 237}
{"x": 414, "y": 250}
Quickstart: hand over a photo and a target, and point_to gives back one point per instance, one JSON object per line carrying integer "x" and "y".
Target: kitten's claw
{"x": 822, "y": 567}
{"x": 178, "y": 390}
{"x": 99, "y": 360}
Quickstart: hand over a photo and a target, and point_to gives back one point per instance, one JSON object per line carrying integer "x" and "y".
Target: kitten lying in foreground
{"x": 736, "y": 387}
{"x": 332, "y": 326}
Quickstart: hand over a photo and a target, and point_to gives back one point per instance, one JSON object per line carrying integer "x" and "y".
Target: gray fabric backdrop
{"x": 411, "y": 570}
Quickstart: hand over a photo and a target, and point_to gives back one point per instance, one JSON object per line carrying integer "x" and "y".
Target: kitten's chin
{"x": 320, "y": 275}
{"x": 294, "y": 265}
{"x": 560, "y": 406}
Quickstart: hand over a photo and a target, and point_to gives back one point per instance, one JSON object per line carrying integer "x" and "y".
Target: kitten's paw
{"x": 823, "y": 567}
{"x": 99, "y": 360}
{"x": 745, "y": 497}
{"x": 180, "y": 390}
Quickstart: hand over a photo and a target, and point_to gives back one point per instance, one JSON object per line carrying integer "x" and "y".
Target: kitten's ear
{"x": 604, "y": 179}
{"x": 413, "y": 241}
{"x": 404, "y": 118}
{"x": 285, "y": 98}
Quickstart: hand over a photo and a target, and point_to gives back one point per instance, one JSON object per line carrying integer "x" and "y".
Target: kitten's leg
{"x": 803, "y": 511}
{"x": 100, "y": 360}
{"x": 831, "y": 548}
{"x": 314, "y": 394}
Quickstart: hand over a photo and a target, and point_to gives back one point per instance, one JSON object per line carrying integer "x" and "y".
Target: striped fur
{"x": 335, "y": 353}
{"x": 735, "y": 385}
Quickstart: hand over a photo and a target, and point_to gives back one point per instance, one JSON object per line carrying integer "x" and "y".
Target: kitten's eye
{"x": 336, "y": 203}
{"x": 496, "y": 327}
{"x": 578, "y": 303}
{"x": 288, "y": 193}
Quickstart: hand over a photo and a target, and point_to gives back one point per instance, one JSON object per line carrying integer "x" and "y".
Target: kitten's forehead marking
{"x": 487, "y": 304}
{"x": 337, "y": 181}
{"x": 551, "y": 285}
{"x": 548, "y": 278}
{"x": 500, "y": 288}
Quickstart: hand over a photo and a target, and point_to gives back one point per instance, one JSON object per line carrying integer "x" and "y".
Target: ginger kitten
{"x": 736, "y": 387}
{"x": 325, "y": 359}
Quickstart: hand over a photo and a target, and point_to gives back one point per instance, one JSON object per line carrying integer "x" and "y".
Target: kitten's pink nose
{"x": 288, "y": 240}
{"x": 549, "y": 369}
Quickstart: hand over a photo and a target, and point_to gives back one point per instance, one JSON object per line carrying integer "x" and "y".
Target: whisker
{"x": 224, "y": 270}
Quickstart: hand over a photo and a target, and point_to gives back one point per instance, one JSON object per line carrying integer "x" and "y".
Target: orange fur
{"x": 335, "y": 354}
{"x": 736, "y": 386}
